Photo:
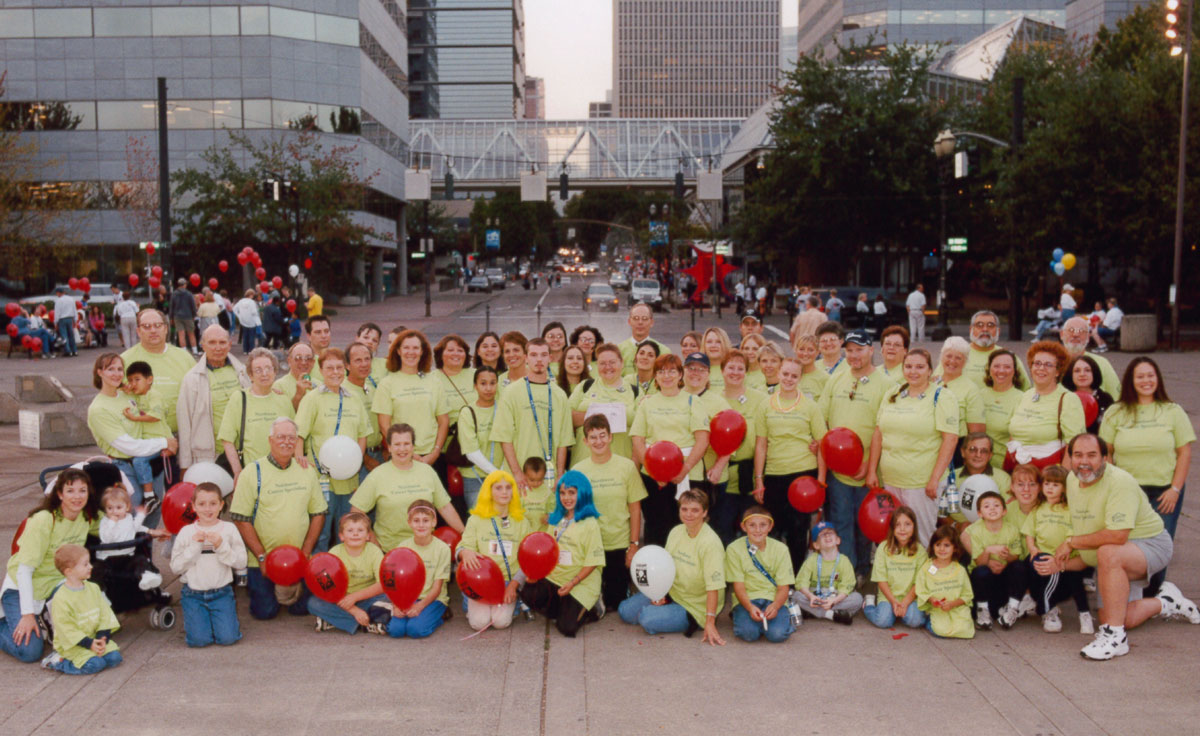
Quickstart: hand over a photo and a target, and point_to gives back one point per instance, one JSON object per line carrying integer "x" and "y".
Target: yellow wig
{"x": 486, "y": 509}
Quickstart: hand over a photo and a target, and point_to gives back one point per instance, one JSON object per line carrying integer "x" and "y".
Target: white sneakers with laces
{"x": 1107, "y": 644}
{"x": 1174, "y": 605}
{"x": 1027, "y": 606}
{"x": 1085, "y": 624}
{"x": 1052, "y": 621}
{"x": 1008, "y": 615}
{"x": 983, "y": 619}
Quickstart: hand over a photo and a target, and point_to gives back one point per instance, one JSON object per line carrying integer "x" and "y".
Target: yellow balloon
{"x": 1068, "y": 261}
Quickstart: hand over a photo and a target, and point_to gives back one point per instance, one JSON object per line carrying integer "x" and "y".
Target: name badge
{"x": 494, "y": 548}
{"x": 564, "y": 556}
{"x": 326, "y": 486}
{"x": 550, "y": 474}
{"x": 933, "y": 570}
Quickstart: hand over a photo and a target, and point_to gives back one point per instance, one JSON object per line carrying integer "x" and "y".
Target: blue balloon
{"x": 1053, "y": 264}
{"x": 1060, "y": 269}
{"x": 1058, "y": 254}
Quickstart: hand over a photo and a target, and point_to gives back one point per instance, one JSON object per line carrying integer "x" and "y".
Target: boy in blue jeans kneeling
{"x": 205, "y": 555}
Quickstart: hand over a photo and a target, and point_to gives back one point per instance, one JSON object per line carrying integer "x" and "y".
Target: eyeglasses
{"x": 985, "y": 325}
{"x": 154, "y": 325}
{"x": 979, "y": 450}
{"x": 1044, "y": 364}
{"x": 286, "y": 439}
{"x": 262, "y": 370}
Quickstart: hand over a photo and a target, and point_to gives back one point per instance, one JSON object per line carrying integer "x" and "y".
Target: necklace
{"x": 779, "y": 407}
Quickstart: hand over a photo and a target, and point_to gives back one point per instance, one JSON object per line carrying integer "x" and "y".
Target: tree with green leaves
{"x": 220, "y": 207}
{"x": 527, "y": 229}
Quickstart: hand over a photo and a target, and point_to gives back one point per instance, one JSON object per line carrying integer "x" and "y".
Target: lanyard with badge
{"x": 564, "y": 554}
{"x": 323, "y": 473}
{"x": 502, "y": 546}
{"x": 821, "y": 591}
{"x": 548, "y": 445}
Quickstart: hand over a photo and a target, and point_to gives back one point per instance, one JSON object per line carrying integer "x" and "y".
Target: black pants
{"x": 566, "y": 612}
{"x": 614, "y": 580}
{"x": 1049, "y": 590}
{"x": 659, "y": 510}
{"x": 791, "y": 526}
{"x": 995, "y": 589}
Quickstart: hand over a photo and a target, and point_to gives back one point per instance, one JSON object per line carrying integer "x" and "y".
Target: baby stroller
{"x": 119, "y": 576}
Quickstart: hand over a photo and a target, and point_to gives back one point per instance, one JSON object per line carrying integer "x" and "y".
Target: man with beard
{"x": 1075, "y": 335}
{"x": 985, "y": 331}
{"x": 1116, "y": 530}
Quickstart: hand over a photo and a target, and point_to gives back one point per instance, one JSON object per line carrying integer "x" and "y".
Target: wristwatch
{"x": 262, "y": 557}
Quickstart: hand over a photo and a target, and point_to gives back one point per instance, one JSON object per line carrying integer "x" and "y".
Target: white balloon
{"x": 340, "y": 456}
{"x": 210, "y": 473}
{"x": 971, "y": 488}
{"x": 293, "y": 270}
{"x": 653, "y": 571}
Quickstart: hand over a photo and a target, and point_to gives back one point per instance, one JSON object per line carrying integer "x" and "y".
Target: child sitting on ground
{"x": 364, "y": 605}
{"x": 825, "y": 583}
{"x": 83, "y": 619}
{"x": 944, "y": 588}
{"x": 205, "y": 554}
{"x": 539, "y": 499}
{"x": 120, "y": 525}
{"x": 897, "y": 561}
{"x": 139, "y": 378}
{"x": 431, "y": 608}
{"x": 1047, "y": 527}
{"x": 994, "y": 545}
{"x": 760, "y": 569}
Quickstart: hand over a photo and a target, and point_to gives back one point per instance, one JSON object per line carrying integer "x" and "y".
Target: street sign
{"x": 956, "y": 245}
{"x": 725, "y": 248}
{"x": 659, "y": 232}
{"x": 492, "y": 241}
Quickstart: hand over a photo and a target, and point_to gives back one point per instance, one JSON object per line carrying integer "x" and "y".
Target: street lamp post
{"x": 943, "y": 148}
{"x": 1186, "y": 51}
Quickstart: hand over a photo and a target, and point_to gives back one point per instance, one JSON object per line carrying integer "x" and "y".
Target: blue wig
{"x": 584, "y": 508}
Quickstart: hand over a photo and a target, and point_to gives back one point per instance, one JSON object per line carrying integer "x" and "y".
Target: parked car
{"x": 496, "y": 277}
{"x": 618, "y": 280}
{"x": 648, "y": 291}
{"x": 479, "y": 282}
{"x": 600, "y": 296}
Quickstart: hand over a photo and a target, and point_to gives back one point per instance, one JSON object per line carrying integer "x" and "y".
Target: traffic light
{"x": 679, "y": 185}
{"x": 449, "y": 185}
{"x": 270, "y": 190}
{"x": 562, "y": 186}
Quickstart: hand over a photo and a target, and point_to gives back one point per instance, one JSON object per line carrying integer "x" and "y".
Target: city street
{"x": 613, "y": 679}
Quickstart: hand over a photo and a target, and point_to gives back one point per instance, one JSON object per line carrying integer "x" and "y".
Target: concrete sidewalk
{"x": 285, "y": 678}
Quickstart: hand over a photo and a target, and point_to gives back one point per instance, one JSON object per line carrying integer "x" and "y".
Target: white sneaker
{"x": 1026, "y": 607}
{"x": 600, "y": 609}
{"x": 323, "y": 625}
{"x": 1106, "y": 645}
{"x": 1051, "y": 621}
{"x": 150, "y": 580}
{"x": 983, "y": 619}
{"x": 1174, "y": 605}
{"x": 1089, "y": 584}
{"x": 1008, "y": 616}
{"x": 50, "y": 660}
{"x": 1085, "y": 623}
{"x": 868, "y": 601}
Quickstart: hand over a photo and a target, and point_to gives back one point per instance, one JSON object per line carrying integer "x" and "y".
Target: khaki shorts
{"x": 1157, "y": 550}
{"x": 183, "y": 326}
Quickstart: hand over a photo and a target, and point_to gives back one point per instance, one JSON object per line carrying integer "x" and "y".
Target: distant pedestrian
{"x": 183, "y": 316}
{"x": 916, "y": 313}
{"x": 64, "y": 320}
{"x": 834, "y": 306}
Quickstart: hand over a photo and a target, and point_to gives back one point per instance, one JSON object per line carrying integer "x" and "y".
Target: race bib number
{"x": 564, "y": 556}
{"x": 495, "y": 545}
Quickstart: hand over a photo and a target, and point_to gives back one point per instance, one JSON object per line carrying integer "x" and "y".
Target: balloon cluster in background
{"x": 246, "y": 256}
{"x": 1062, "y": 262}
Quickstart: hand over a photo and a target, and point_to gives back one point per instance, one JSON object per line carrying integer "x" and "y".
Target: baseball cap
{"x": 820, "y": 527}
{"x": 859, "y": 337}
{"x": 750, "y": 317}
{"x": 697, "y": 358}
{"x": 1068, "y": 287}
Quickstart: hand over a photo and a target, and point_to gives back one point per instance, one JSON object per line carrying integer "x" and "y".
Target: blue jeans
{"x": 31, "y": 651}
{"x": 339, "y": 506}
{"x": 249, "y": 338}
{"x": 90, "y": 667}
{"x": 1170, "y": 522}
{"x": 338, "y": 616}
{"x": 66, "y": 329}
{"x": 422, "y": 625}
{"x": 844, "y": 500}
{"x": 263, "y": 604}
{"x": 882, "y": 615}
{"x": 137, "y": 469}
{"x": 210, "y": 616}
{"x": 46, "y": 335}
{"x": 670, "y": 618}
{"x": 747, "y": 629}
{"x": 471, "y": 488}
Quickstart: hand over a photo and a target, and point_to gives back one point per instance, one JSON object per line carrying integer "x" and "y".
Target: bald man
{"x": 203, "y": 395}
{"x": 1075, "y": 334}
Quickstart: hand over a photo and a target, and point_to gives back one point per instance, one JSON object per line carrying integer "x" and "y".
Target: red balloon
{"x": 84, "y": 285}
{"x": 875, "y": 514}
{"x": 12, "y": 309}
{"x": 50, "y": 316}
{"x": 177, "y": 507}
{"x": 1091, "y": 409}
{"x": 449, "y": 536}
{"x": 484, "y": 584}
{"x": 13, "y": 329}
{"x": 195, "y": 279}
{"x": 247, "y": 250}
{"x": 537, "y": 555}
{"x": 402, "y": 575}
{"x": 327, "y": 577}
{"x": 17, "y": 536}
{"x": 154, "y": 282}
{"x": 223, "y": 266}
{"x": 73, "y": 282}
{"x": 664, "y": 461}
{"x": 260, "y": 273}
{"x": 242, "y": 258}
{"x": 806, "y": 494}
{"x": 843, "y": 450}
{"x": 37, "y": 343}
{"x": 276, "y": 281}
{"x": 150, "y": 249}
{"x": 264, "y": 287}
{"x": 26, "y": 341}
{"x": 133, "y": 279}
{"x": 308, "y": 263}
{"x": 256, "y": 259}
{"x": 454, "y": 479}
{"x": 285, "y": 565}
{"x": 291, "y": 307}
{"x": 78, "y": 304}
{"x": 213, "y": 284}
{"x": 726, "y": 432}
{"x": 156, "y": 271}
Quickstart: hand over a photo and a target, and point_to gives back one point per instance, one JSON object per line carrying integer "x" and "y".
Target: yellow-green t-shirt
{"x": 459, "y": 390}
{"x": 1048, "y": 525}
{"x": 285, "y": 500}
{"x": 825, "y": 577}
{"x": 749, "y": 405}
{"x": 598, "y": 392}
{"x": 1144, "y": 439}
{"x": 169, "y": 367}
{"x": 317, "y": 420}
{"x": 261, "y": 412}
{"x": 44, "y": 533}
{"x": 975, "y": 367}
{"x": 1036, "y": 422}
{"x": 287, "y": 385}
{"x": 474, "y": 433}
{"x": 998, "y": 408}
{"x": 615, "y": 485}
{"x": 416, "y": 399}
{"x": 78, "y": 614}
{"x": 221, "y": 384}
{"x": 1110, "y": 382}
{"x": 857, "y": 414}
{"x": 755, "y": 380}
{"x": 536, "y": 419}
{"x": 812, "y": 384}
{"x": 106, "y": 420}
{"x": 363, "y": 394}
{"x": 790, "y": 428}
{"x": 147, "y": 404}
{"x": 674, "y": 418}
{"x": 699, "y": 568}
{"x": 379, "y": 370}
{"x": 538, "y": 502}
{"x": 362, "y": 570}
{"x": 981, "y": 537}
{"x": 390, "y": 490}
{"x": 970, "y": 404}
{"x": 716, "y": 379}
{"x": 1116, "y": 502}
{"x": 711, "y": 403}
{"x": 898, "y": 570}
{"x": 948, "y": 583}
{"x": 480, "y": 537}
{"x": 911, "y": 428}
{"x": 774, "y": 558}
{"x": 579, "y": 546}
{"x": 436, "y": 557}
{"x": 628, "y": 350}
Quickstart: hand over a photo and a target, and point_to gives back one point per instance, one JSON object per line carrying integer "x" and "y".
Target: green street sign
{"x": 956, "y": 245}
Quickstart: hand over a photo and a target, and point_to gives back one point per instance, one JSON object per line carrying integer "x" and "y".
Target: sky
{"x": 569, "y": 44}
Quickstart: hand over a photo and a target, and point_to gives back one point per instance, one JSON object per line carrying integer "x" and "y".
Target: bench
{"x": 15, "y": 344}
